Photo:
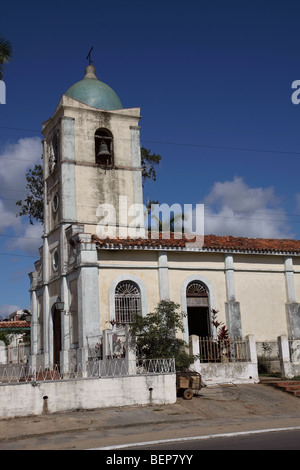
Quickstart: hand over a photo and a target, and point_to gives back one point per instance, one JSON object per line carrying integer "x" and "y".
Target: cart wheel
{"x": 188, "y": 394}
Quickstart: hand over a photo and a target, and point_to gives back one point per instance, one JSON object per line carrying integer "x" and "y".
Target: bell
{"x": 103, "y": 150}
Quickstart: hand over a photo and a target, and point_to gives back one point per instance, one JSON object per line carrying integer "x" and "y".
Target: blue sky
{"x": 213, "y": 80}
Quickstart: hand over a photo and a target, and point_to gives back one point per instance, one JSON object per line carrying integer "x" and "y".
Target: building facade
{"x": 98, "y": 265}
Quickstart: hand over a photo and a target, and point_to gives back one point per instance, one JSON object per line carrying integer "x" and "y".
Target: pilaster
{"x": 88, "y": 296}
{"x": 163, "y": 276}
{"x": 289, "y": 279}
{"x": 292, "y": 306}
{"x": 47, "y": 318}
{"x": 232, "y": 306}
{"x": 65, "y": 326}
{"x": 67, "y": 168}
{"x": 136, "y": 164}
{"x": 34, "y": 319}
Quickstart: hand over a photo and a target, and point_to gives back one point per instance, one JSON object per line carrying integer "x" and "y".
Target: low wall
{"x": 24, "y": 399}
{"x": 289, "y": 369}
{"x": 228, "y": 372}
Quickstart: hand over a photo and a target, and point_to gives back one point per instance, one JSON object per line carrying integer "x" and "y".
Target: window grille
{"x": 127, "y": 301}
{"x": 195, "y": 289}
{"x": 196, "y": 295}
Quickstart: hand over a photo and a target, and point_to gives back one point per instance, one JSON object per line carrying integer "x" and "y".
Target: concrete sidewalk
{"x": 253, "y": 405}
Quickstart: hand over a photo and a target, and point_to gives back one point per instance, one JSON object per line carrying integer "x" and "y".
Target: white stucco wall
{"x": 257, "y": 282}
{"x": 25, "y": 399}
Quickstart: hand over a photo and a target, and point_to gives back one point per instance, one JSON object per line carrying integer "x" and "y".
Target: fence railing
{"x": 103, "y": 368}
{"x": 227, "y": 350}
{"x": 108, "y": 368}
{"x": 155, "y": 366}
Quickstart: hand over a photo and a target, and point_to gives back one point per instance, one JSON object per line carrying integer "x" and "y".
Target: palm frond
{"x": 5, "y": 54}
{"x": 5, "y": 50}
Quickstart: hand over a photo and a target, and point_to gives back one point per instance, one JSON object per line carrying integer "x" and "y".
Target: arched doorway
{"x": 56, "y": 336}
{"x": 197, "y": 301}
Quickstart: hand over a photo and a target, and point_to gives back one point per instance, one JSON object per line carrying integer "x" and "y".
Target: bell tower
{"x": 92, "y": 177}
{"x": 91, "y": 157}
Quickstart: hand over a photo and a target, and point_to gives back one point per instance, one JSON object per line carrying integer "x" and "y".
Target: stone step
{"x": 290, "y": 386}
{"x": 288, "y": 383}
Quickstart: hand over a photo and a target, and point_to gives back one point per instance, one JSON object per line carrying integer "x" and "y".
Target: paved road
{"x": 269, "y": 440}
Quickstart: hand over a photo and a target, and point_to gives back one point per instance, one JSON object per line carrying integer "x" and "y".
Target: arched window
{"x": 197, "y": 302}
{"x": 127, "y": 301}
{"x": 104, "y": 148}
{"x": 197, "y": 294}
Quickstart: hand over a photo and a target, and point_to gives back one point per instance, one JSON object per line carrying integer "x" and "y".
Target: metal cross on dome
{"x": 89, "y": 56}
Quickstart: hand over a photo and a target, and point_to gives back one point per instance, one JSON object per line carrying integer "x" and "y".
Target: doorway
{"x": 197, "y": 297}
{"x": 56, "y": 337}
{"x": 198, "y": 321}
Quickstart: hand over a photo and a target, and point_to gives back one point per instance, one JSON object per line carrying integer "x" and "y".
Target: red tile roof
{"x": 252, "y": 244}
{"x": 14, "y": 324}
{"x": 142, "y": 242}
{"x": 211, "y": 242}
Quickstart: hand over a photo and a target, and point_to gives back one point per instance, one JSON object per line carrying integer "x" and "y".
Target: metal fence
{"x": 18, "y": 373}
{"x": 103, "y": 368}
{"x": 228, "y": 350}
{"x": 108, "y": 368}
{"x": 155, "y": 366}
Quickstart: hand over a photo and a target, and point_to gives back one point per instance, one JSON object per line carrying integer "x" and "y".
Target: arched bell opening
{"x": 104, "y": 148}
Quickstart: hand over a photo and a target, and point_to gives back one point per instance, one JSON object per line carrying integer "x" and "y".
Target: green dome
{"x": 94, "y": 93}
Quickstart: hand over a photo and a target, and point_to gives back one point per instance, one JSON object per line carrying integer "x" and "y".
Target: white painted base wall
{"x": 229, "y": 373}
{"x": 55, "y": 396}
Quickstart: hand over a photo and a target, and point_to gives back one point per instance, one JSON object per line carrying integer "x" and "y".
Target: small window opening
{"x": 54, "y": 153}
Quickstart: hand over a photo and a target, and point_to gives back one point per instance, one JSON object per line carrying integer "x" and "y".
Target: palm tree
{"x": 5, "y": 53}
{"x": 174, "y": 223}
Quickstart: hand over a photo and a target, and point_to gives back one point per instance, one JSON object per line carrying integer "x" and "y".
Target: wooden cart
{"x": 188, "y": 384}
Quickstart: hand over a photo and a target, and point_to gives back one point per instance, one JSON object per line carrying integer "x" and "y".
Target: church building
{"x": 91, "y": 277}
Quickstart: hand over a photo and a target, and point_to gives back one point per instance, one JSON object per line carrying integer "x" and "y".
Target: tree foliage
{"x": 155, "y": 335}
{"x": 32, "y": 206}
{"x": 5, "y": 337}
{"x": 5, "y": 54}
{"x": 222, "y": 331}
{"x": 149, "y": 162}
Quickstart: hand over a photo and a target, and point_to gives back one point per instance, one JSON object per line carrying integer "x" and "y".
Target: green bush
{"x": 155, "y": 335}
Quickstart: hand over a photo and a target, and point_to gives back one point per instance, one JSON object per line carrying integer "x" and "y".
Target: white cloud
{"x": 297, "y": 196}
{"x": 15, "y": 161}
{"x": 29, "y": 241}
{"x": 8, "y": 218}
{"x": 7, "y": 309}
{"x": 234, "y": 208}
